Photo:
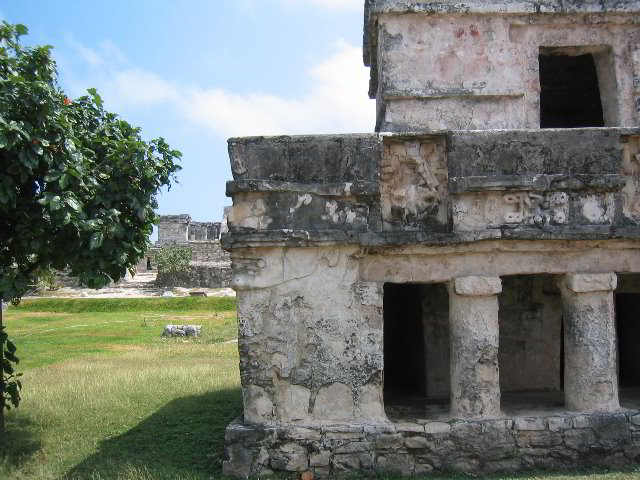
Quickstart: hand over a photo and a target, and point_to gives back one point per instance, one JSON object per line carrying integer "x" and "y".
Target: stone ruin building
{"x": 210, "y": 265}
{"x": 460, "y": 290}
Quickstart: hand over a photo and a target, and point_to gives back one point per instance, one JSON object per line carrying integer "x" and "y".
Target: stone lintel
{"x": 477, "y": 286}
{"x": 590, "y": 282}
{"x": 537, "y": 182}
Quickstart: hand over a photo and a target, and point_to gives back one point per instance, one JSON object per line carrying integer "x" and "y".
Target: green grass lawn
{"x": 106, "y": 397}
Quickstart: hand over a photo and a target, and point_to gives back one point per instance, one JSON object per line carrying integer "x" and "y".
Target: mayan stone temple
{"x": 461, "y": 289}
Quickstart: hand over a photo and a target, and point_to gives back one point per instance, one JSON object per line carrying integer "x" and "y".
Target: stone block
{"x": 531, "y": 438}
{"x": 299, "y": 434}
{"x": 422, "y": 468}
{"x": 290, "y": 457}
{"x": 437, "y": 427}
{"x": 388, "y": 441}
{"x": 354, "y": 447}
{"x": 590, "y": 282}
{"x": 579, "y": 438}
{"x": 416, "y": 442}
{"x": 320, "y": 459}
{"x": 367, "y": 460}
{"x": 346, "y": 461}
{"x": 409, "y": 427}
{"x": 635, "y": 419}
{"x": 530, "y": 423}
{"x": 238, "y": 461}
{"x": 466, "y": 428}
{"x": 581, "y": 421}
{"x": 400, "y": 463}
{"x": 474, "y": 285}
{"x": 559, "y": 424}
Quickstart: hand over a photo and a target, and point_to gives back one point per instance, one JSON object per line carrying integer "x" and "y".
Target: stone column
{"x": 473, "y": 316}
{"x": 590, "y": 376}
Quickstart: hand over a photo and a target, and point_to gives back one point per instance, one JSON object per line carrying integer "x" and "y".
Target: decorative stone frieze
{"x": 413, "y": 184}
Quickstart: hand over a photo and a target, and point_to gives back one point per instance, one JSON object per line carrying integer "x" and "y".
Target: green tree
{"x": 173, "y": 259}
{"x": 78, "y": 186}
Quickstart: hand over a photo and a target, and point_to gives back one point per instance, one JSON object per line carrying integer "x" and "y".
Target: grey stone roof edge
{"x": 416, "y": 133}
{"x": 376, "y": 7}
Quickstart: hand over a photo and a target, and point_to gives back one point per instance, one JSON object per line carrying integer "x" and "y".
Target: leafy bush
{"x": 46, "y": 279}
{"x": 173, "y": 259}
{"x": 10, "y": 386}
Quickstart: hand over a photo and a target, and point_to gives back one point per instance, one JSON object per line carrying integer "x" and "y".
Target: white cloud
{"x": 335, "y": 101}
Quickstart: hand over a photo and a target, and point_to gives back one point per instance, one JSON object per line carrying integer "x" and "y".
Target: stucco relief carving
{"x": 255, "y": 217}
{"x": 413, "y": 183}
{"x": 536, "y": 209}
{"x": 631, "y": 169}
{"x": 478, "y": 211}
{"x": 262, "y": 269}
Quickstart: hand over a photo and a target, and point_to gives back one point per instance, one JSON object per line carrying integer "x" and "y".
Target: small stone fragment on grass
{"x": 182, "y": 330}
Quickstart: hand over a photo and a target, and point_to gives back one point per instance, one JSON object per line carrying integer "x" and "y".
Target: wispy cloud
{"x": 335, "y": 99}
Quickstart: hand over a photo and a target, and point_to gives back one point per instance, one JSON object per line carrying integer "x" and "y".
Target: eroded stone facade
{"x": 210, "y": 265}
{"x": 455, "y": 292}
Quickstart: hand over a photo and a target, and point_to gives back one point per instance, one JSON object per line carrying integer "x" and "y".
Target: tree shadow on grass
{"x": 184, "y": 439}
{"x": 19, "y": 442}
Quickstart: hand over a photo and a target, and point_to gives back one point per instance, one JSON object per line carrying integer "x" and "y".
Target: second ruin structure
{"x": 460, "y": 290}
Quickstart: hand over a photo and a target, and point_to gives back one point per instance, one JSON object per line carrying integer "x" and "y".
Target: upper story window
{"x": 570, "y": 94}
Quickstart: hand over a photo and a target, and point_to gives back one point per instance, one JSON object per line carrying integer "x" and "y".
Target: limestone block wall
{"x": 310, "y": 337}
{"x": 499, "y": 229}
{"x": 208, "y": 251}
{"x": 476, "y": 447}
{"x": 474, "y": 65}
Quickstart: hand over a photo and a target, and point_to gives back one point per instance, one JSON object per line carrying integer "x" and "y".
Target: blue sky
{"x": 198, "y": 72}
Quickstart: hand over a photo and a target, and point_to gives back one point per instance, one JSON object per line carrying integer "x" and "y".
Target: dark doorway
{"x": 628, "y": 326}
{"x": 404, "y": 352}
{"x": 531, "y": 343}
{"x": 148, "y": 263}
{"x": 416, "y": 349}
{"x": 569, "y": 91}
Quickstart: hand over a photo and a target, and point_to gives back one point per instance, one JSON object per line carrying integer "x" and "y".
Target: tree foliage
{"x": 77, "y": 189}
{"x": 11, "y": 386}
{"x": 78, "y": 183}
{"x": 173, "y": 259}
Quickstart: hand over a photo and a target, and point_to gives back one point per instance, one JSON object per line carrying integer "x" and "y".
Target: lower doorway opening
{"x": 416, "y": 351}
{"x": 627, "y": 307}
{"x": 531, "y": 344}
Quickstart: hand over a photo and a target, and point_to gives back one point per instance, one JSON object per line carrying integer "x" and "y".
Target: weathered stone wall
{"x": 519, "y": 184}
{"x": 208, "y": 252}
{"x": 204, "y": 274}
{"x": 310, "y": 336}
{"x": 475, "y": 447}
{"x": 465, "y": 71}
{"x": 173, "y": 229}
{"x": 204, "y": 231}
{"x": 526, "y": 228}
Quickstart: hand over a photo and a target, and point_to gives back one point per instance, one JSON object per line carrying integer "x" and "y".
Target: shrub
{"x": 173, "y": 259}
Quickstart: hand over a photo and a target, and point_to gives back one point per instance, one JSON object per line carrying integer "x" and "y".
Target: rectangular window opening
{"x": 416, "y": 351}
{"x": 531, "y": 344}
{"x": 627, "y": 306}
{"x": 577, "y": 87}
